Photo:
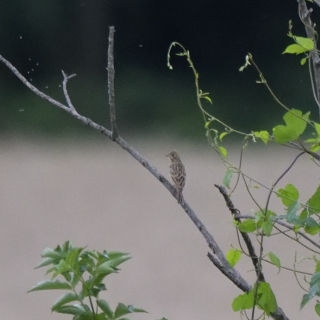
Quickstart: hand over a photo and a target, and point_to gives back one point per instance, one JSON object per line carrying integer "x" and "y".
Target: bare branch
{"x": 33, "y": 88}
{"x": 305, "y": 13}
{"x": 226, "y": 271}
{"x": 236, "y": 214}
{"x": 111, "y": 73}
{"x": 65, "y": 91}
{"x": 278, "y": 314}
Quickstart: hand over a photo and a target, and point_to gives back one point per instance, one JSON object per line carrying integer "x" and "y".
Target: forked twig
{"x": 65, "y": 91}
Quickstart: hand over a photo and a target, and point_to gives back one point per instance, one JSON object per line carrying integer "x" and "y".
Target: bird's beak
{"x": 168, "y": 155}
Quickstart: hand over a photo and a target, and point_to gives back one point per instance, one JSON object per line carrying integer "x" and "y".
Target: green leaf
{"x": 267, "y": 227}
{"x": 69, "y": 310}
{"x": 233, "y": 256}
{"x": 75, "y": 310}
{"x": 69, "y": 297}
{"x": 104, "y": 306}
{"x": 227, "y": 178}
{"x": 308, "y": 296}
{"x": 243, "y": 301}
{"x": 274, "y": 260}
{"x": 50, "y": 285}
{"x": 121, "y": 310}
{"x": 317, "y": 127}
{"x": 313, "y": 230}
{"x": 295, "y": 125}
{"x": 45, "y": 262}
{"x": 288, "y": 195}
{"x": 223, "y": 134}
{"x": 263, "y": 135}
{"x": 294, "y": 49}
{"x": 100, "y": 316}
{"x": 223, "y": 152}
{"x": 267, "y": 300}
{"x": 105, "y": 269}
{"x": 306, "y": 43}
{"x": 248, "y": 225}
{"x": 116, "y": 261}
{"x": 134, "y": 309}
{"x": 72, "y": 257}
{"x": 314, "y": 289}
{"x": 314, "y": 203}
{"x": 207, "y": 98}
{"x": 302, "y": 45}
{"x": 317, "y": 309}
{"x": 49, "y": 253}
{"x": 292, "y": 210}
{"x": 264, "y": 220}
{"x": 303, "y": 61}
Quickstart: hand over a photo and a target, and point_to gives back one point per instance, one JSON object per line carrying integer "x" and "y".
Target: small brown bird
{"x": 177, "y": 172}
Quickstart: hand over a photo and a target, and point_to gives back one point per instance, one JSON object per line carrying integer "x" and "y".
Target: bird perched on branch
{"x": 177, "y": 172}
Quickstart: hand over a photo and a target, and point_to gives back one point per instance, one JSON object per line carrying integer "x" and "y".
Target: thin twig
{"x": 65, "y": 91}
{"x": 290, "y": 228}
{"x": 281, "y": 176}
{"x": 111, "y": 73}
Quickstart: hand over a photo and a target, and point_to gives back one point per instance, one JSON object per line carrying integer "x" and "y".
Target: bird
{"x": 178, "y": 173}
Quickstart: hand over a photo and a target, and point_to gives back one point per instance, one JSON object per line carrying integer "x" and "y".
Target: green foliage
{"x": 289, "y": 195}
{"x": 263, "y": 221}
{"x": 248, "y": 225}
{"x": 315, "y": 141}
{"x": 314, "y": 289}
{"x": 313, "y": 204}
{"x": 263, "y": 135}
{"x": 233, "y": 256}
{"x": 301, "y": 45}
{"x": 295, "y": 125}
{"x": 223, "y": 152}
{"x": 264, "y": 298}
{"x": 83, "y": 272}
{"x": 227, "y": 178}
{"x": 274, "y": 260}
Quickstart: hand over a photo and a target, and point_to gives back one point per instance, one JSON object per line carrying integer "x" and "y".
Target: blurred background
{"x": 63, "y": 181}
{"x": 41, "y": 38}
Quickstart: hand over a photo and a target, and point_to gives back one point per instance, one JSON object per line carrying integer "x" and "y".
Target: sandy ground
{"x": 95, "y": 194}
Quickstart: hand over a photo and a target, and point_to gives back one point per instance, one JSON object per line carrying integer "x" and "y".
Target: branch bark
{"x": 111, "y": 94}
{"x": 236, "y": 214}
{"x": 305, "y": 13}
